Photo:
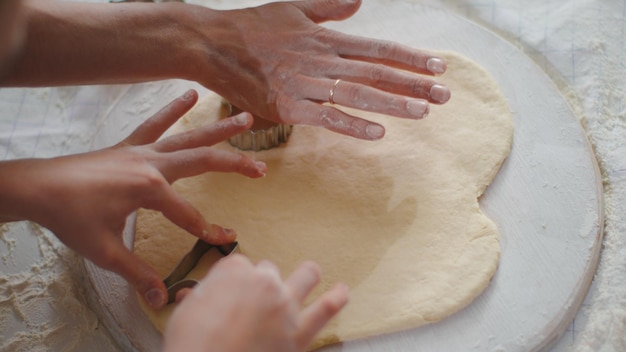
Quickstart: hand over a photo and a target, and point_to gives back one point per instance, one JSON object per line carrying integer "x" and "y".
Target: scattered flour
{"x": 43, "y": 308}
{"x": 579, "y": 44}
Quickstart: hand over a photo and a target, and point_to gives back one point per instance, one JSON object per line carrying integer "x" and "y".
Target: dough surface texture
{"x": 398, "y": 220}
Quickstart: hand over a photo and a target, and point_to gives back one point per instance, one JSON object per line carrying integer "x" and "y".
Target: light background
{"x": 579, "y": 44}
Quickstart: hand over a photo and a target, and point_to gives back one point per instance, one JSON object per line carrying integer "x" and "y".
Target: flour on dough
{"x": 398, "y": 219}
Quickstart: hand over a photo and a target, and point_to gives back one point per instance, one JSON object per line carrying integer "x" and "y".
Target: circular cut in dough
{"x": 397, "y": 220}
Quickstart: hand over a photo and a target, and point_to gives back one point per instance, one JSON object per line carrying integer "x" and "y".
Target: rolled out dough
{"x": 398, "y": 220}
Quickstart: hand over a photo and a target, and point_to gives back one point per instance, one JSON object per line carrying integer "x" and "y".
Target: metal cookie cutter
{"x": 176, "y": 281}
{"x": 262, "y": 135}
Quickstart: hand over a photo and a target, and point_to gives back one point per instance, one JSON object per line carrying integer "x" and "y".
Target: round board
{"x": 546, "y": 200}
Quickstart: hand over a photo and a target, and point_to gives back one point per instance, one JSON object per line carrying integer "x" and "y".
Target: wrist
{"x": 199, "y": 29}
{"x": 179, "y": 46}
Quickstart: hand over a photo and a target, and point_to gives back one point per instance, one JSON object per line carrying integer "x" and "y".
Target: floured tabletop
{"x": 583, "y": 58}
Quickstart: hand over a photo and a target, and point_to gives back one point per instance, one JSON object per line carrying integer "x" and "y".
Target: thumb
{"x": 328, "y": 10}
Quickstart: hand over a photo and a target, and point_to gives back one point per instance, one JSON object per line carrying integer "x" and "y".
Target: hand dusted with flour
{"x": 274, "y": 61}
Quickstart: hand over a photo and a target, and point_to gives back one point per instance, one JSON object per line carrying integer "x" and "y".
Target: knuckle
{"x": 419, "y": 87}
{"x": 179, "y": 140}
{"x": 201, "y": 155}
{"x": 241, "y": 159}
{"x": 194, "y": 223}
{"x": 325, "y": 37}
{"x": 306, "y": 61}
{"x": 328, "y": 307}
{"x": 353, "y": 92}
{"x": 418, "y": 59}
{"x": 107, "y": 258}
{"x": 327, "y": 117}
{"x": 356, "y": 94}
{"x": 242, "y": 163}
{"x": 334, "y": 121}
{"x": 152, "y": 178}
{"x": 282, "y": 100}
{"x": 384, "y": 49}
{"x": 377, "y": 72}
{"x": 284, "y": 103}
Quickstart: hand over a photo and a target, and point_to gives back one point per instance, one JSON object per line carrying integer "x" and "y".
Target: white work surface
{"x": 578, "y": 44}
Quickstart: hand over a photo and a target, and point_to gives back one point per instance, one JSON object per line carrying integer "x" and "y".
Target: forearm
{"x": 14, "y": 193}
{"x": 81, "y": 43}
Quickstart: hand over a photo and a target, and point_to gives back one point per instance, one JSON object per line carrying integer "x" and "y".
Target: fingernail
{"x": 436, "y": 65}
{"x": 218, "y": 233}
{"x": 261, "y": 166}
{"x": 188, "y": 95}
{"x": 417, "y": 108}
{"x": 341, "y": 301}
{"x": 230, "y": 233}
{"x": 375, "y": 131}
{"x": 155, "y": 298}
{"x": 240, "y": 119}
{"x": 439, "y": 93}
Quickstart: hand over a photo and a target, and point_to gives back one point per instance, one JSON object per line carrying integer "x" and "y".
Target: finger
{"x": 207, "y": 135}
{"x": 187, "y": 163}
{"x": 150, "y": 130}
{"x": 230, "y": 268}
{"x": 269, "y": 267}
{"x": 269, "y": 275}
{"x": 363, "y": 97}
{"x": 181, "y": 294}
{"x": 389, "y": 53}
{"x": 314, "y": 317}
{"x": 366, "y": 98}
{"x": 334, "y": 120}
{"x": 183, "y": 214}
{"x": 302, "y": 281}
{"x": 389, "y": 80}
{"x": 230, "y": 263}
{"x": 328, "y": 10}
{"x": 115, "y": 257}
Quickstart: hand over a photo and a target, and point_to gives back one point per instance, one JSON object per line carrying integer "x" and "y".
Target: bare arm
{"x": 84, "y": 199}
{"x": 84, "y": 43}
{"x": 274, "y": 61}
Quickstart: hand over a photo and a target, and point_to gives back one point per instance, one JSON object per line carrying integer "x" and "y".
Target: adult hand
{"x": 85, "y": 199}
{"x": 274, "y": 61}
{"x": 281, "y": 65}
{"x": 242, "y": 307}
